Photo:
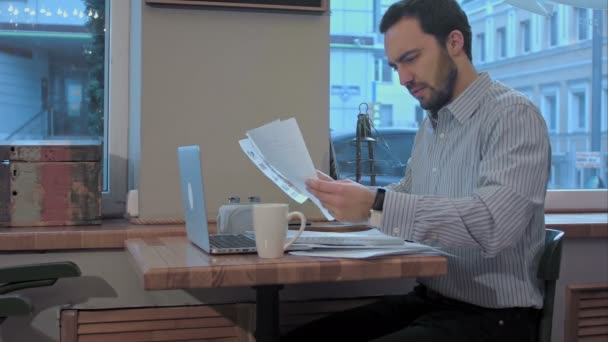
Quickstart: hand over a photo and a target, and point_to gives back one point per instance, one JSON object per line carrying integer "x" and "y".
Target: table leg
{"x": 267, "y": 313}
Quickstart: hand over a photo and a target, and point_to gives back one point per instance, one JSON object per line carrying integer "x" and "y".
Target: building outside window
{"x": 567, "y": 108}
{"x": 55, "y": 76}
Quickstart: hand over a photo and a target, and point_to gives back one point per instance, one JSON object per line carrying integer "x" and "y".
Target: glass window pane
{"x": 557, "y": 80}
{"x": 52, "y": 62}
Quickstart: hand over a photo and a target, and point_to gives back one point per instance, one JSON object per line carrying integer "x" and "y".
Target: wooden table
{"x": 174, "y": 263}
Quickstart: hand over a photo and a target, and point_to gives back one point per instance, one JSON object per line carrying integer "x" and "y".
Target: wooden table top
{"x": 113, "y": 233}
{"x": 175, "y": 263}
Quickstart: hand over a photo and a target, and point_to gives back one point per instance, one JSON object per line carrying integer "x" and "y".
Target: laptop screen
{"x": 193, "y": 198}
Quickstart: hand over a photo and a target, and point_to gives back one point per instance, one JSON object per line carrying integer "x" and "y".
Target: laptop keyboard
{"x": 231, "y": 241}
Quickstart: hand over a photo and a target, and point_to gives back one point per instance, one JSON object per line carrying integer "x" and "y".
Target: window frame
{"x": 117, "y": 104}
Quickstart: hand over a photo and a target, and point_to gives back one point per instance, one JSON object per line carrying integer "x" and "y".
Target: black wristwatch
{"x": 379, "y": 200}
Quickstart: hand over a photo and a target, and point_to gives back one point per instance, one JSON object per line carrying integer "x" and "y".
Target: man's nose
{"x": 405, "y": 76}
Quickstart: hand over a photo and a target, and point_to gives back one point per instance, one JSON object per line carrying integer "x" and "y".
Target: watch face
{"x": 379, "y": 200}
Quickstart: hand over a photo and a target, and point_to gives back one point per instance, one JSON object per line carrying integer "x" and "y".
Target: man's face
{"x": 424, "y": 66}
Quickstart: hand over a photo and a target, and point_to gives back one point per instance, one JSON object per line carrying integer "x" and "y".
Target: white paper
{"x": 370, "y": 237}
{"x": 263, "y": 165}
{"x": 279, "y": 151}
{"x": 362, "y": 253}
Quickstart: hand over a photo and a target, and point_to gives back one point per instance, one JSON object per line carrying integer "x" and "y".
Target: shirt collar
{"x": 467, "y": 103}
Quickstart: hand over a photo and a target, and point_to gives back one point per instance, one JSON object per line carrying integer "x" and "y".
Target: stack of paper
{"x": 370, "y": 237}
{"x": 279, "y": 151}
{"x": 364, "y": 244}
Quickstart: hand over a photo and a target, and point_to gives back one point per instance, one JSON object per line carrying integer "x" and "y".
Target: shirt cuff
{"x": 398, "y": 214}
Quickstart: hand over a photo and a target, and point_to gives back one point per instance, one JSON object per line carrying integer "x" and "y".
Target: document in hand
{"x": 279, "y": 151}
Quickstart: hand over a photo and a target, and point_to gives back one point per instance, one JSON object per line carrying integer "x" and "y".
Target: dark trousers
{"x": 421, "y": 316}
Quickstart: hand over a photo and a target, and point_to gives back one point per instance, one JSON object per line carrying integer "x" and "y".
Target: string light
{"x": 25, "y": 12}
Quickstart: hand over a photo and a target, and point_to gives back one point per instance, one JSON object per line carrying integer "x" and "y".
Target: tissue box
{"x": 49, "y": 183}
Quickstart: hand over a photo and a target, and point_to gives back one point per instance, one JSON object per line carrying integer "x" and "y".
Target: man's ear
{"x": 455, "y": 43}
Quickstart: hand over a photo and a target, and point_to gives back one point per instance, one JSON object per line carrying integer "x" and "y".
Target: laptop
{"x": 193, "y": 199}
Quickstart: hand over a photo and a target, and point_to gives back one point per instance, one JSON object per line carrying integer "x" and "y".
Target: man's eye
{"x": 410, "y": 59}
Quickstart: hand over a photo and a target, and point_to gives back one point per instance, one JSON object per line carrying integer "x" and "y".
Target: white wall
{"x": 210, "y": 75}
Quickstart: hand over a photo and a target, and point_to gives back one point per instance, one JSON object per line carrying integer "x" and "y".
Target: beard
{"x": 439, "y": 97}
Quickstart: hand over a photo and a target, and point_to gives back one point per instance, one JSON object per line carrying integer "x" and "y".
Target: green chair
{"x": 548, "y": 271}
{"x": 26, "y": 276}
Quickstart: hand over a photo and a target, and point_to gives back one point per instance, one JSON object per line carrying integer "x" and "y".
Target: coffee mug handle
{"x": 302, "y": 226}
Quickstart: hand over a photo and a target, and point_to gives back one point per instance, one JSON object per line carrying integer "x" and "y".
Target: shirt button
{"x": 434, "y": 169}
{"x": 441, "y": 135}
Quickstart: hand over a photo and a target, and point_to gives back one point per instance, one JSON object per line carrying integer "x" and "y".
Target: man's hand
{"x": 344, "y": 199}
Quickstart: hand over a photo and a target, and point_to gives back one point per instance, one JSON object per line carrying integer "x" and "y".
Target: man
{"x": 475, "y": 186}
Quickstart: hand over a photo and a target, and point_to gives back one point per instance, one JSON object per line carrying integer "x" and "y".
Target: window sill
{"x": 112, "y": 234}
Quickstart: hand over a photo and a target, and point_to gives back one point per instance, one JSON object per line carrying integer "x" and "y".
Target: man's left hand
{"x": 344, "y": 199}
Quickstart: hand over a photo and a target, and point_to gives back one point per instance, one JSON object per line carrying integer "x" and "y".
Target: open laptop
{"x": 195, "y": 215}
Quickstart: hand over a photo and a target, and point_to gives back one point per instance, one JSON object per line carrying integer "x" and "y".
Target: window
{"x": 382, "y": 71}
{"x": 549, "y": 109}
{"x": 480, "y": 40}
{"x": 582, "y": 23}
{"x": 525, "y": 35}
{"x": 577, "y": 103}
{"x": 553, "y": 29}
{"x": 54, "y": 58}
{"x": 501, "y": 42}
{"x": 556, "y": 80}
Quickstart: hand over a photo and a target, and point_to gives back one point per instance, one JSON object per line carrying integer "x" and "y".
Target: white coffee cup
{"x": 270, "y": 227}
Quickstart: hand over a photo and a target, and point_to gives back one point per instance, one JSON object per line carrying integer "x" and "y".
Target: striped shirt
{"x": 475, "y": 186}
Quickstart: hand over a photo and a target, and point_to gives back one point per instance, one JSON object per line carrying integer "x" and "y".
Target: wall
{"x": 584, "y": 261}
{"x": 207, "y": 76}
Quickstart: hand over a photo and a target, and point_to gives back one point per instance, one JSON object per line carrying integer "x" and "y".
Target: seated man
{"x": 475, "y": 186}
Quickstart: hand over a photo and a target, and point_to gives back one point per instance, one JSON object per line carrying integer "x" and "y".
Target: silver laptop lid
{"x": 193, "y": 198}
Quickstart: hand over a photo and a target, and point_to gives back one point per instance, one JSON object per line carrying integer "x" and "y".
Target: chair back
{"x": 548, "y": 271}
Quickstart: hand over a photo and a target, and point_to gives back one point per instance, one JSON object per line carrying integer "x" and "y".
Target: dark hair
{"x": 436, "y": 17}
